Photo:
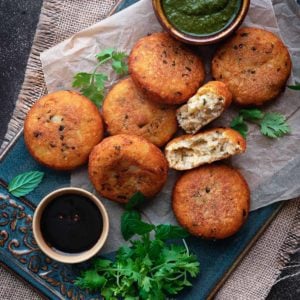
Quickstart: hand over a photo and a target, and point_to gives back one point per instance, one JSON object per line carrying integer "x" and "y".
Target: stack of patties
{"x": 140, "y": 114}
{"x": 212, "y": 201}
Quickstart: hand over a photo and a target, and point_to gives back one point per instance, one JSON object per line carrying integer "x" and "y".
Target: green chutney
{"x": 200, "y": 17}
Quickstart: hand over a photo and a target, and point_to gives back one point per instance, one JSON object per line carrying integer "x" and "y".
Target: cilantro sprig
{"x": 92, "y": 85}
{"x": 272, "y": 124}
{"x": 149, "y": 268}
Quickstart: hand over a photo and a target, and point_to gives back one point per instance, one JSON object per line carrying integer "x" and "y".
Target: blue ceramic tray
{"x": 19, "y": 252}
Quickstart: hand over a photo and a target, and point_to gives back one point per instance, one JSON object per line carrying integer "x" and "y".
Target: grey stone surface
{"x": 18, "y": 20}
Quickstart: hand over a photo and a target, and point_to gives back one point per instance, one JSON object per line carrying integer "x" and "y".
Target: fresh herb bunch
{"x": 25, "y": 183}
{"x": 272, "y": 125}
{"x": 150, "y": 268}
{"x": 92, "y": 84}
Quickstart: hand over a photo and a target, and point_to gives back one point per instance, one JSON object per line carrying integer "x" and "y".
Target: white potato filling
{"x": 199, "y": 111}
{"x": 199, "y": 150}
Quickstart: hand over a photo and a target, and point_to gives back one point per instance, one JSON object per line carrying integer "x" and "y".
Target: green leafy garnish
{"x": 137, "y": 199}
{"x": 239, "y": 125}
{"x": 272, "y": 125}
{"x": 131, "y": 224}
{"x": 251, "y": 114}
{"x": 92, "y": 85}
{"x": 25, "y": 183}
{"x": 149, "y": 268}
{"x": 295, "y": 87}
{"x": 166, "y": 232}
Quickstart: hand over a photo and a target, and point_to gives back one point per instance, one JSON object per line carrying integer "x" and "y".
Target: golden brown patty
{"x": 122, "y": 165}
{"x": 255, "y": 65}
{"x": 165, "y": 69}
{"x": 211, "y": 201}
{"x": 126, "y": 110}
{"x": 61, "y": 129}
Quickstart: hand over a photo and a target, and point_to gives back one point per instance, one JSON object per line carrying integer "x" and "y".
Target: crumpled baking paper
{"x": 271, "y": 167}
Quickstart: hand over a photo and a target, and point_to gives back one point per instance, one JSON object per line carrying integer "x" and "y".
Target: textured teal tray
{"x": 19, "y": 252}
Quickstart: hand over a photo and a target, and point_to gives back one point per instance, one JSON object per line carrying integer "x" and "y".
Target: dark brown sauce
{"x": 71, "y": 223}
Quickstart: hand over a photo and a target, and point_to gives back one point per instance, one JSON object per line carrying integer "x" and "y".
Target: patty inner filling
{"x": 202, "y": 149}
{"x": 199, "y": 111}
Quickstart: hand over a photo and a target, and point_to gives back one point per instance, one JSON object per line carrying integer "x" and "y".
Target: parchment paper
{"x": 271, "y": 167}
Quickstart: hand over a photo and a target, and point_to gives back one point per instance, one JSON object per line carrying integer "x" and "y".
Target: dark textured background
{"x": 18, "y": 20}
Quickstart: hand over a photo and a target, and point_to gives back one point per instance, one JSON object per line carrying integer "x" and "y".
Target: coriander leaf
{"x": 119, "y": 56}
{"x": 99, "y": 80}
{"x": 155, "y": 247}
{"x": 239, "y": 125}
{"x": 166, "y": 231}
{"x": 137, "y": 199}
{"x": 105, "y": 54}
{"x": 24, "y": 183}
{"x": 251, "y": 114}
{"x": 126, "y": 219}
{"x": 91, "y": 86}
{"x": 274, "y": 125}
{"x": 117, "y": 66}
{"x": 91, "y": 280}
{"x": 146, "y": 284}
{"x": 102, "y": 264}
{"x": 131, "y": 224}
{"x": 295, "y": 87}
{"x": 81, "y": 80}
{"x": 120, "y": 67}
{"x": 94, "y": 93}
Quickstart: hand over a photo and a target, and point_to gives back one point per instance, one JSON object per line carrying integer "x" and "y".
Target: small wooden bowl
{"x": 201, "y": 39}
{"x": 69, "y": 258}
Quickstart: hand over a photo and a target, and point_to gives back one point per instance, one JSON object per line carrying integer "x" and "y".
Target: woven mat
{"x": 257, "y": 272}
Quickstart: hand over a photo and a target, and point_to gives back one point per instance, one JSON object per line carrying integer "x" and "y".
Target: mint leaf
{"x": 274, "y": 125}
{"x": 24, "y": 183}
{"x": 137, "y": 199}
{"x": 166, "y": 232}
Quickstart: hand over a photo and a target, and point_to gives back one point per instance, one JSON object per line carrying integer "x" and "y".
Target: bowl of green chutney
{"x": 201, "y": 22}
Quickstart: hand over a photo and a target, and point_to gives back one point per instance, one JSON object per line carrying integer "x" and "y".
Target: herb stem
{"x": 186, "y": 247}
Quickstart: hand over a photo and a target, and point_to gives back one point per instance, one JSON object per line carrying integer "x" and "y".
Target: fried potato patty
{"x": 61, "y": 129}
{"x": 164, "y": 69}
{"x": 122, "y": 165}
{"x": 211, "y": 201}
{"x": 126, "y": 110}
{"x": 208, "y": 104}
{"x": 190, "y": 151}
{"x": 255, "y": 64}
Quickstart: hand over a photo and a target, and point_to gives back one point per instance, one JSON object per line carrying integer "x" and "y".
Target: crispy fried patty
{"x": 255, "y": 65}
{"x": 164, "y": 69}
{"x": 211, "y": 201}
{"x": 126, "y": 110}
{"x": 61, "y": 129}
{"x": 122, "y": 165}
